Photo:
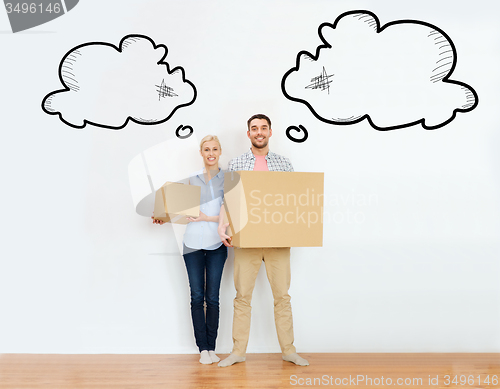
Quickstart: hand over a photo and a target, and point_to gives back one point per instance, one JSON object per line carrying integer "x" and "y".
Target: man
{"x": 248, "y": 261}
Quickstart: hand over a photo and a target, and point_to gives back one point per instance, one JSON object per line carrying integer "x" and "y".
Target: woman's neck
{"x": 211, "y": 171}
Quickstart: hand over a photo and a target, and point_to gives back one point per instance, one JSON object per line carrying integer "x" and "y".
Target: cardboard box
{"x": 174, "y": 201}
{"x": 274, "y": 209}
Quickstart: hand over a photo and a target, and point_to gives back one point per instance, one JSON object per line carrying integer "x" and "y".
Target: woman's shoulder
{"x": 195, "y": 177}
{"x": 196, "y": 173}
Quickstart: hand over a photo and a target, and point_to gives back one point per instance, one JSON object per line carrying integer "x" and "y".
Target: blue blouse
{"x": 203, "y": 235}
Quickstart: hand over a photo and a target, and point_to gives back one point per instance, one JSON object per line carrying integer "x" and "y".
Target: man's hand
{"x": 226, "y": 239}
{"x": 155, "y": 221}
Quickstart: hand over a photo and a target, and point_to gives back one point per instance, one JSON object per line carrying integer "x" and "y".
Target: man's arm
{"x": 223, "y": 227}
{"x": 223, "y": 223}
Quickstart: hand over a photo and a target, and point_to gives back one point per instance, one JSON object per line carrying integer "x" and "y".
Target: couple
{"x": 205, "y": 253}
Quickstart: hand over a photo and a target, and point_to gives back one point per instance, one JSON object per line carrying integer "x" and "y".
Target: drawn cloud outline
{"x": 118, "y": 48}
{"x": 327, "y": 45}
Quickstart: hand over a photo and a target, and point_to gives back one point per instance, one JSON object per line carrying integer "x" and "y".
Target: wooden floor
{"x": 19, "y": 371}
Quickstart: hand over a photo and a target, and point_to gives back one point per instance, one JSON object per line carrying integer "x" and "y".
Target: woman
{"x": 204, "y": 254}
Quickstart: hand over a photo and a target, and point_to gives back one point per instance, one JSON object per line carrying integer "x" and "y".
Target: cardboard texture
{"x": 174, "y": 201}
{"x": 274, "y": 209}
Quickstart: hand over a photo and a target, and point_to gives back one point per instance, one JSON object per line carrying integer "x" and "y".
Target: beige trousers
{"x": 246, "y": 267}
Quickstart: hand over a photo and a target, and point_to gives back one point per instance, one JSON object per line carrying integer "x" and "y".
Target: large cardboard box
{"x": 274, "y": 209}
{"x": 174, "y": 202}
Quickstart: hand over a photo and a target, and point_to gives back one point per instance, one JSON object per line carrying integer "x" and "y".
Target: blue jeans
{"x": 204, "y": 268}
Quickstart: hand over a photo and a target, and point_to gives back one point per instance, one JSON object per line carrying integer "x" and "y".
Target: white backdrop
{"x": 410, "y": 261}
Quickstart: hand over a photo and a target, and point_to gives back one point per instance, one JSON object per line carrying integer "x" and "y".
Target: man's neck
{"x": 260, "y": 152}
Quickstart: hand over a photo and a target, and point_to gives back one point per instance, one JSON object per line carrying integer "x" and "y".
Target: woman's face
{"x": 210, "y": 152}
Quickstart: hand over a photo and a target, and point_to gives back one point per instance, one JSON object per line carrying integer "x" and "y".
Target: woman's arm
{"x": 204, "y": 218}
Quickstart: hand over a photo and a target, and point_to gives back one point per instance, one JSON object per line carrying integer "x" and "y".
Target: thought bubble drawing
{"x": 394, "y": 76}
{"x": 184, "y": 128}
{"x": 301, "y": 130}
{"x": 108, "y": 86}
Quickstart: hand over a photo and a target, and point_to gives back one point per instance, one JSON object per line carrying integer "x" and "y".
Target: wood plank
{"x": 19, "y": 371}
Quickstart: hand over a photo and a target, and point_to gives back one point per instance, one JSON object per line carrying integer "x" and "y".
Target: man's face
{"x": 259, "y": 133}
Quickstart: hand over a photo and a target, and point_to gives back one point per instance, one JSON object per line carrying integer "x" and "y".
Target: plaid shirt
{"x": 275, "y": 162}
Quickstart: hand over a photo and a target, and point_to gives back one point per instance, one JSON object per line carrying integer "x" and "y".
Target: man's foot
{"x": 296, "y": 358}
{"x": 213, "y": 356}
{"x": 231, "y": 360}
{"x": 205, "y": 357}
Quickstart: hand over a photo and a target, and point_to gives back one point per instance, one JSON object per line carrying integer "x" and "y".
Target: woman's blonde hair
{"x": 209, "y": 138}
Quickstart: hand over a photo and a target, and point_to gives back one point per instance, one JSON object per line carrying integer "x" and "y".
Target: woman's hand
{"x": 155, "y": 221}
{"x": 201, "y": 218}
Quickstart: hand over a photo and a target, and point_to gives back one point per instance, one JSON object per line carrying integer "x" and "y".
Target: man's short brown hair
{"x": 259, "y": 116}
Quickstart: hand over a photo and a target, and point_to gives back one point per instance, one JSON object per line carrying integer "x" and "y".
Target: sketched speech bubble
{"x": 395, "y": 76}
{"x": 108, "y": 86}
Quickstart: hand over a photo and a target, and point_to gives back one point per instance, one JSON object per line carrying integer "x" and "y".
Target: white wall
{"x": 410, "y": 261}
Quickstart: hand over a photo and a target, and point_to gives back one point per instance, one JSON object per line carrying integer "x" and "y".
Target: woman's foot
{"x": 213, "y": 356}
{"x": 205, "y": 358}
